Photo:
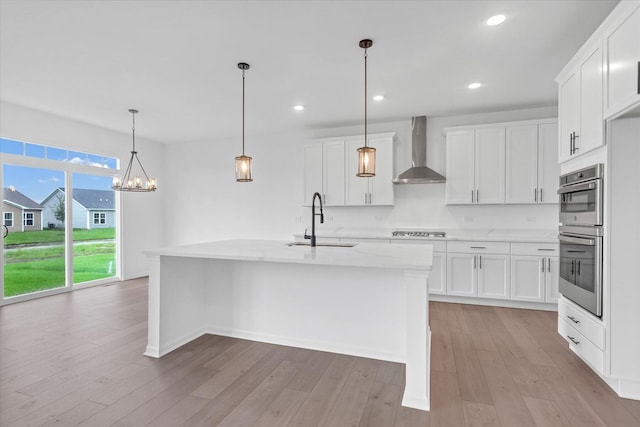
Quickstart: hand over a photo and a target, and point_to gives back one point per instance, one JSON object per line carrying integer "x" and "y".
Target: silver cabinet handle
{"x": 474, "y": 261}
{"x": 477, "y": 196}
{"x": 573, "y": 319}
{"x": 549, "y": 265}
{"x": 535, "y": 194}
{"x": 478, "y": 247}
{"x": 573, "y": 340}
{"x": 542, "y": 265}
{"x": 472, "y": 199}
{"x": 541, "y": 195}
{"x": 546, "y": 249}
{"x": 480, "y": 261}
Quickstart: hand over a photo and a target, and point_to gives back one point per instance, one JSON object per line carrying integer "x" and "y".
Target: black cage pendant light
{"x": 366, "y": 154}
{"x": 243, "y": 163}
{"x": 132, "y": 181}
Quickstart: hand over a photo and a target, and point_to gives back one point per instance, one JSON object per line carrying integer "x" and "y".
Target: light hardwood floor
{"x": 76, "y": 359}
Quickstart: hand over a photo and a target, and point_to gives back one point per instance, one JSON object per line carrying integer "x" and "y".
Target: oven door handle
{"x": 577, "y": 240}
{"x": 577, "y": 187}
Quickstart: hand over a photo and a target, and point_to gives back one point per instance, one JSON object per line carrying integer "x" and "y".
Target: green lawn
{"x": 29, "y": 269}
{"x": 57, "y": 236}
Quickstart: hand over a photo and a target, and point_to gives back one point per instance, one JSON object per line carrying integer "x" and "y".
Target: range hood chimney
{"x": 419, "y": 173}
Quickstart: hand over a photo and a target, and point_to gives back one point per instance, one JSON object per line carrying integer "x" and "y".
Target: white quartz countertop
{"x": 376, "y": 255}
{"x": 496, "y": 235}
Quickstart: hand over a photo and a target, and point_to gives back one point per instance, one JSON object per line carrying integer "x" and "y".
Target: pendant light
{"x": 243, "y": 163}
{"x": 366, "y": 154}
{"x": 134, "y": 183}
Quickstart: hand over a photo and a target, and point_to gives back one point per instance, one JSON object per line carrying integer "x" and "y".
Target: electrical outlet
{"x": 531, "y": 219}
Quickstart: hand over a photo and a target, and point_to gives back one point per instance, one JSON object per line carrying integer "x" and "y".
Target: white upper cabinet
{"x": 312, "y": 172}
{"x": 581, "y": 119}
{"x": 490, "y": 165}
{"x": 460, "y": 152}
{"x": 475, "y": 166}
{"x": 333, "y": 173}
{"x": 622, "y": 62}
{"x": 532, "y": 167}
{"x": 377, "y": 190}
{"x": 330, "y": 167}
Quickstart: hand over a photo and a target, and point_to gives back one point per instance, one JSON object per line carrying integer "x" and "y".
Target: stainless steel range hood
{"x": 419, "y": 173}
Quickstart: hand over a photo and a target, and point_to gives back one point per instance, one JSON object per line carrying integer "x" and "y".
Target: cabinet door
{"x": 569, "y": 114}
{"x": 493, "y": 276}
{"x": 552, "y": 279}
{"x": 312, "y": 171}
{"x": 461, "y": 275}
{"x": 528, "y": 275}
{"x": 460, "y": 167}
{"x": 623, "y": 64}
{"x": 591, "y": 133}
{"x": 548, "y": 166}
{"x": 381, "y": 185}
{"x": 522, "y": 164}
{"x": 437, "y": 275}
{"x": 333, "y": 173}
{"x": 357, "y": 192}
{"x": 490, "y": 165}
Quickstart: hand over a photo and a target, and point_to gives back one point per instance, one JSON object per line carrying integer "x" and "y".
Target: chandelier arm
{"x": 142, "y": 167}
{"x": 127, "y": 172}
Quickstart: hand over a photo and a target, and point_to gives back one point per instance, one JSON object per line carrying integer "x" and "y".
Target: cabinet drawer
{"x": 438, "y": 245}
{"x": 584, "y": 323}
{"x": 536, "y": 249}
{"x": 581, "y": 346}
{"x": 478, "y": 247}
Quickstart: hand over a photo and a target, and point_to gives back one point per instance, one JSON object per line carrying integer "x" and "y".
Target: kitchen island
{"x": 369, "y": 300}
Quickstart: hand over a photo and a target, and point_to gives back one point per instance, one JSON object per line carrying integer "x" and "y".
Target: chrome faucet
{"x": 313, "y": 218}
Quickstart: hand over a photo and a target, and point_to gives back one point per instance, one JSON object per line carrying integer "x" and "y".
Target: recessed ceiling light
{"x": 298, "y": 107}
{"x": 474, "y": 85}
{"x": 496, "y": 20}
{"x": 378, "y": 98}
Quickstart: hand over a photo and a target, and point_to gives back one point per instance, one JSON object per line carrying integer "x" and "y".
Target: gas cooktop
{"x": 418, "y": 233}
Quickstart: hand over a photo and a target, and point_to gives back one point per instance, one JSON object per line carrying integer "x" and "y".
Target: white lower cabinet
{"x": 438, "y": 274}
{"x": 585, "y": 334}
{"x": 534, "y": 272}
{"x": 478, "y": 269}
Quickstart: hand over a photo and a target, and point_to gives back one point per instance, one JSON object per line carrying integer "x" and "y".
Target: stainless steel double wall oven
{"x": 581, "y": 218}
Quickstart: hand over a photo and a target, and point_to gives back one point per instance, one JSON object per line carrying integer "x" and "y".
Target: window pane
{"x": 34, "y": 150}
{"x": 94, "y": 248}
{"x": 10, "y": 146}
{"x": 56, "y": 154}
{"x": 33, "y": 255}
{"x": 110, "y": 163}
{"x": 78, "y": 157}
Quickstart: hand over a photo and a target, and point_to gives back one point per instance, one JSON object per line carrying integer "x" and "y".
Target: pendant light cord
{"x": 243, "y": 112}
{"x": 133, "y": 132}
{"x": 365, "y": 97}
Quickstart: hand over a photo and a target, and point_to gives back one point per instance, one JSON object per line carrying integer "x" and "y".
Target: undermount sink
{"x": 336, "y": 245}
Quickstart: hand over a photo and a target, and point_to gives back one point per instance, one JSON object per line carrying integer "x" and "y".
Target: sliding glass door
{"x": 34, "y": 248}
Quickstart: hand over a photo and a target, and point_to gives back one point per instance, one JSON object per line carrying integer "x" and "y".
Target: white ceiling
{"x": 176, "y": 61}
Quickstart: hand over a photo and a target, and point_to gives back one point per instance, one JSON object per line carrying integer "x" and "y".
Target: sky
{"x": 37, "y": 183}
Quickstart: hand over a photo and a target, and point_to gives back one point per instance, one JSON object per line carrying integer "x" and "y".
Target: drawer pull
{"x": 546, "y": 249}
{"x": 573, "y": 340}
{"x": 478, "y": 247}
{"x": 573, "y": 319}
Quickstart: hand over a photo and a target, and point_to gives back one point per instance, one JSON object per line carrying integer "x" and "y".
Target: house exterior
{"x": 19, "y": 212}
{"x": 91, "y": 208}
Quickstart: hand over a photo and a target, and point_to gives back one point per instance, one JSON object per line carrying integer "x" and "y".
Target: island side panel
{"x": 350, "y": 310}
{"x": 418, "y": 364}
{"x": 176, "y": 303}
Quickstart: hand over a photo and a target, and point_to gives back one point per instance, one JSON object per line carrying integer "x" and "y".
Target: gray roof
{"x": 17, "y": 198}
{"x": 95, "y": 199}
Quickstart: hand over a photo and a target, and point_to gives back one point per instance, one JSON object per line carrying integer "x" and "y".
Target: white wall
{"x": 206, "y": 203}
{"x": 142, "y": 214}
